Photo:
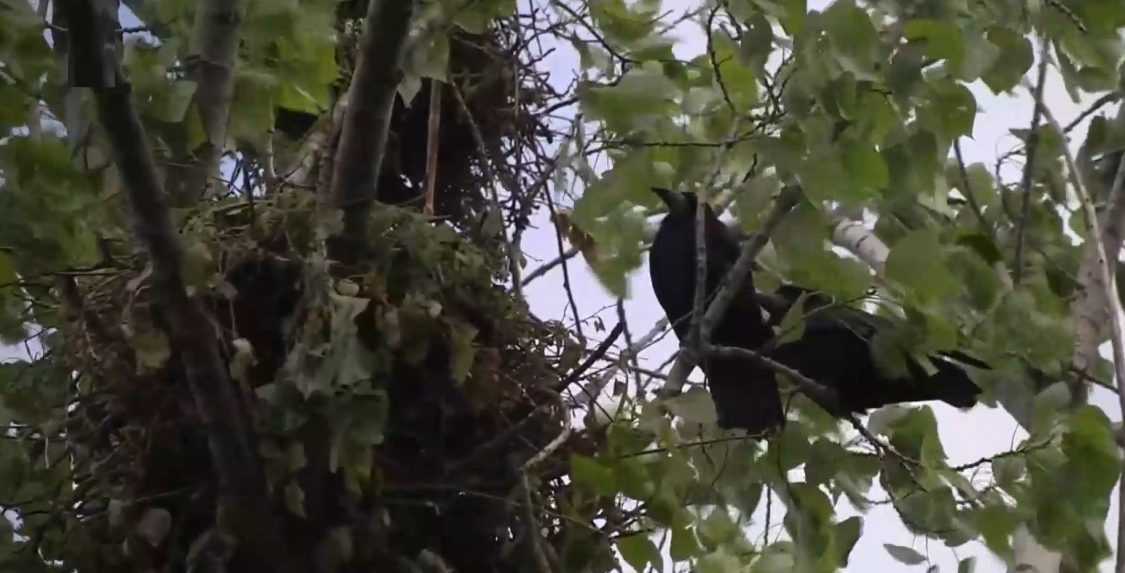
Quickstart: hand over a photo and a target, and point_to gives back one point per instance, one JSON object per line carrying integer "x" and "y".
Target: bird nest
{"x": 414, "y": 383}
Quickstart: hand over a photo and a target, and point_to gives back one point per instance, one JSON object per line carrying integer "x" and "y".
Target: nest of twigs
{"x": 483, "y": 117}
{"x": 411, "y": 388}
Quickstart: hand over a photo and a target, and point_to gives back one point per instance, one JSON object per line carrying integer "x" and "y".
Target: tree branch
{"x": 1029, "y": 165}
{"x": 241, "y": 479}
{"x": 1108, "y": 286}
{"x": 214, "y": 54}
{"x": 363, "y": 136}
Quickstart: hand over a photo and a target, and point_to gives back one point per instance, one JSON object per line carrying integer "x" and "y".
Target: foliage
{"x": 396, "y": 401}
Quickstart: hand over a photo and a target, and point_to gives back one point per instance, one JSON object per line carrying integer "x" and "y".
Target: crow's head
{"x": 679, "y": 203}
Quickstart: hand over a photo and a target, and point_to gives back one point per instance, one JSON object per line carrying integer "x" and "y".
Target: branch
{"x": 211, "y": 63}
{"x": 826, "y": 397}
{"x": 546, "y": 267}
{"x": 730, "y": 287}
{"x": 1108, "y": 285}
{"x": 363, "y": 136}
{"x": 433, "y": 131}
{"x": 1029, "y": 165}
{"x": 241, "y": 479}
{"x": 485, "y": 158}
{"x": 861, "y": 242}
{"x": 968, "y": 189}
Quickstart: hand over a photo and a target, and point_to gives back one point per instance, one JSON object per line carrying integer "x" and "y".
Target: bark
{"x": 213, "y": 58}
{"x": 241, "y": 479}
{"x": 363, "y": 137}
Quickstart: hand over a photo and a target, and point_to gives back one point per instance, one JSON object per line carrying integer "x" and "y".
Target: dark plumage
{"x": 834, "y": 349}
{"x": 745, "y": 394}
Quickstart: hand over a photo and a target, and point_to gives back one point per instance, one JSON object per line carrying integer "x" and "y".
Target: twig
{"x": 433, "y": 130}
{"x": 589, "y": 392}
{"x": 546, "y": 267}
{"x": 730, "y": 286}
{"x": 826, "y": 397}
{"x": 1029, "y": 165}
{"x": 534, "y": 535}
{"x": 565, "y": 269}
{"x": 549, "y": 449}
{"x": 1008, "y": 454}
{"x": 1094, "y": 107}
{"x": 968, "y": 189}
{"x": 714, "y": 59}
{"x": 482, "y": 149}
{"x": 594, "y": 356}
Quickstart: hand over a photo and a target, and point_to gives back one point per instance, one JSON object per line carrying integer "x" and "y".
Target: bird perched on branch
{"x": 745, "y": 394}
{"x": 834, "y": 349}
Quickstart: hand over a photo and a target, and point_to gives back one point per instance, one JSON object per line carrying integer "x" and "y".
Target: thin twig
{"x": 1029, "y": 165}
{"x": 565, "y": 269}
{"x": 968, "y": 189}
{"x": 1094, "y": 107}
{"x": 486, "y": 164}
{"x": 546, "y": 267}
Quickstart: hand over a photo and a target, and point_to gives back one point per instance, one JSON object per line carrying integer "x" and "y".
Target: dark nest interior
{"x": 407, "y": 393}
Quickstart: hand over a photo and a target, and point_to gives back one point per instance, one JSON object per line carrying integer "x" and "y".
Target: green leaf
{"x": 792, "y": 326}
{"x": 593, "y": 475}
{"x": 967, "y": 565}
{"x": 942, "y": 39}
{"x": 865, "y": 167}
{"x": 462, "y": 352}
{"x": 917, "y": 262}
{"x": 720, "y": 561}
{"x": 684, "y": 544}
{"x": 7, "y": 269}
{"x": 1015, "y": 59}
{"x": 904, "y": 554}
{"x": 951, "y": 110}
{"x": 639, "y": 551}
{"x": 695, "y": 407}
{"x": 854, "y": 38}
{"x": 846, "y": 535}
{"x": 717, "y": 528}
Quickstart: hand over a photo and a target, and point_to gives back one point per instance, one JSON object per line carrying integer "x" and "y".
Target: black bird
{"x": 745, "y": 393}
{"x": 835, "y": 348}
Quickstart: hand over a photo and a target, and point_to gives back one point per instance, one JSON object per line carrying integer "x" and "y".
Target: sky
{"x": 978, "y": 433}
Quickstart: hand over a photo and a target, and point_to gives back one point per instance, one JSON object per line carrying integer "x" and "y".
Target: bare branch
{"x": 1029, "y": 165}
{"x": 363, "y": 135}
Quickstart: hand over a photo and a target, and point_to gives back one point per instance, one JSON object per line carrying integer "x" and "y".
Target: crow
{"x": 835, "y": 348}
{"x": 745, "y": 393}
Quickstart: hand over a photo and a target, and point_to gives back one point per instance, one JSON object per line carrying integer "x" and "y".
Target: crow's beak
{"x": 676, "y": 202}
